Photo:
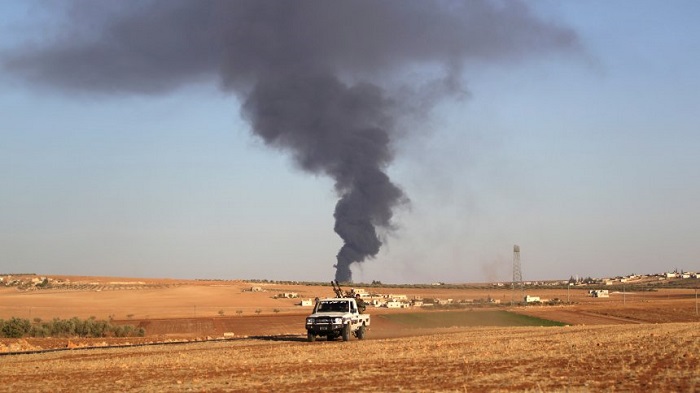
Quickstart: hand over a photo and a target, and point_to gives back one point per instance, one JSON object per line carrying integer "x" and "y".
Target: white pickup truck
{"x": 336, "y": 317}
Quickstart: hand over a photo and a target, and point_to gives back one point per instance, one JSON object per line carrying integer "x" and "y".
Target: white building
{"x": 600, "y": 293}
{"x": 532, "y": 299}
{"x": 395, "y": 304}
{"x": 289, "y": 295}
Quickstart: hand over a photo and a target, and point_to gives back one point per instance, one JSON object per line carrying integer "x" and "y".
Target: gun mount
{"x": 339, "y": 293}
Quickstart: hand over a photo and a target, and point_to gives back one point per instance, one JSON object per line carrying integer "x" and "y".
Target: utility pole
{"x": 517, "y": 273}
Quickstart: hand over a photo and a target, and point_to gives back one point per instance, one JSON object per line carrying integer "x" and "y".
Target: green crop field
{"x": 440, "y": 319}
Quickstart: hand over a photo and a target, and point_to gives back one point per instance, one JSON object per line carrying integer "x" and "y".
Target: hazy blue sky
{"x": 587, "y": 159}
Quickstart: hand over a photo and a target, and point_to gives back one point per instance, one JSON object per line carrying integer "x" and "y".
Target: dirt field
{"x": 643, "y": 358}
{"x": 628, "y": 342}
{"x": 142, "y": 299}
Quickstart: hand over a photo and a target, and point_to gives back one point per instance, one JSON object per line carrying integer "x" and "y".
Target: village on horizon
{"x": 34, "y": 280}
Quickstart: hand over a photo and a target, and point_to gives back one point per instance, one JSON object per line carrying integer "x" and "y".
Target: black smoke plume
{"x": 341, "y": 131}
{"x": 317, "y": 78}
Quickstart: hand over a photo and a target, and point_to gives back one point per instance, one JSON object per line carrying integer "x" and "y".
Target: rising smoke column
{"x": 316, "y": 78}
{"x": 344, "y": 132}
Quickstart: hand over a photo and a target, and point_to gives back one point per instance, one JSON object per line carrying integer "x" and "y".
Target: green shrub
{"x": 15, "y": 328}
{"x": 128, "y": 331}
{"x": 40, "y": 330}
{"x": 74, "y": 327}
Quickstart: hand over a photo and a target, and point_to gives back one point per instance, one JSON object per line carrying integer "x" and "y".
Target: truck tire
{"x": 346, "y": 332}
{"x": 361, "y": 332}
{"x": 310, "y": 337}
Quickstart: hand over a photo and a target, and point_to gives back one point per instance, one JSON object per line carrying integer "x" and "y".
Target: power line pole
{"x": 517, "y": 273}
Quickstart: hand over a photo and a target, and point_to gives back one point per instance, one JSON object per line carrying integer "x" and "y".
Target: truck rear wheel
{"x": 346, "y": 332}
{"x": 310, "y": 337}
{"x": 361, "y": 332}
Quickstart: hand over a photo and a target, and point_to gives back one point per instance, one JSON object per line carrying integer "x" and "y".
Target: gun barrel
{"x": 336, "y": 289}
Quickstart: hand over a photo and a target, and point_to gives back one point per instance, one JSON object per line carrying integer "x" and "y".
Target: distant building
{"x": 599, "y": 293}
{"x": 532, "y": 299}
{"x": 377, "y": 303}
{"x": 289, "y": 295}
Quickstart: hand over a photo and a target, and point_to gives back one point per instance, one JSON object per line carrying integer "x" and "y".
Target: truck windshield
{"x": 334, "y": 306}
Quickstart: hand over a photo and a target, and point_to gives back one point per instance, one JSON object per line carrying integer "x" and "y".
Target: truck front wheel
{"x": 361, "y": 332}
{"x": 310, "y": 336}
{"x": 346, "y": 332}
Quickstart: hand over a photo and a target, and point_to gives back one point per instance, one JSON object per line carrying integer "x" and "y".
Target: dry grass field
{"x": 644, "y": 358}
{"x": 633, "y": 342}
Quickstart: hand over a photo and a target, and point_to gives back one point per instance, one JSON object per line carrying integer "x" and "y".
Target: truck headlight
{"x": 309, "y": 321}
{"x": 338, "y": 321}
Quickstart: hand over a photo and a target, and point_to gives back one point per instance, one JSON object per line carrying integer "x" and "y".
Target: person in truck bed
{"x": 361, "y": 306}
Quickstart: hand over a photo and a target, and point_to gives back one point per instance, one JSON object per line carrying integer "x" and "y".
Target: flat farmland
{"x": 643, "y": 358}
{"x": 125, "y": 299}
{"x": 647, "y": 341}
